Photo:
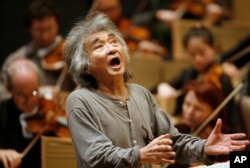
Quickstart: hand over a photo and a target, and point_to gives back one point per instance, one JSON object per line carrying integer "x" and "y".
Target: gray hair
{"x": 9, "y": 71}
{"x": 75, "y": 52}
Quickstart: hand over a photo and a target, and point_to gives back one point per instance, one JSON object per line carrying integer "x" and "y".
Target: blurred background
{"x": 13, "y": 34}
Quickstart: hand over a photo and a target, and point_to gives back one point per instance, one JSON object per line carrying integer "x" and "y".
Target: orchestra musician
{"x": 201, "y": 98}
{"x": 45, "y": 48}
{"x": 202, "y": 56}
{"x": 210, "y": 12}
{"x": 22, "y": 80}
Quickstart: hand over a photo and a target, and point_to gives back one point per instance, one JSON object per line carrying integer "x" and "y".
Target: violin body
{"x": 47, "y": 116}
{"x": 213, "y": 74}
{"x": 132, "y": 34}
{"x": 54, "y": 61}
{"x": 137, "y": 38}
{"x": 194, "y": 7}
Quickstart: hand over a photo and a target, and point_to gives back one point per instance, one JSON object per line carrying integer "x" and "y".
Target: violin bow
{"x": 32, "y": 143}
{"x": 217, "y": 110}
{"x": 34, "y": 140}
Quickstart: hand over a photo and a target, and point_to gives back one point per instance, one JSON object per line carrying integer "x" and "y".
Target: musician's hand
{"x": 151, "y": 47}
{"x": 49, "y": 92}
{"x": 164, "y": 90}
{"x": 213, "y": 14}
{"x": 10, "y": 158}
{"x": 167, "y": 16}
{"x": 218, "y": 143}
{"x": 158, "y": 151}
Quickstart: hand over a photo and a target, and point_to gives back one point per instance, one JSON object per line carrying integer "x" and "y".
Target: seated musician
{"x": 201, "y": 52}
{"x": 22, "y": 79}
{"x": 211, "y": 13}
{"x": 200, "y": 101}
{"x": 41, "y": 21}
{"x": 137, "y": 37}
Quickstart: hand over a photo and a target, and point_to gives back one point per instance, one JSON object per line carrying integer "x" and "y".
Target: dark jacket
{"x": 11, "y": 135}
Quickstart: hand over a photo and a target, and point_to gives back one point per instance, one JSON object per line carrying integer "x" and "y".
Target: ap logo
{"x": 240, "y": 159}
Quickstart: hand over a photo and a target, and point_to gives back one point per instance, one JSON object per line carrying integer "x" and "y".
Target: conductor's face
{"x": 106, "y": 56}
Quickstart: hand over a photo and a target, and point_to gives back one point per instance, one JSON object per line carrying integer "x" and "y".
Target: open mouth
{"x": 115, "y": 62}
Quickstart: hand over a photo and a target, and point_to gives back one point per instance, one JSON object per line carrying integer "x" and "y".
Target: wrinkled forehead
{"x": 94, "y": 37}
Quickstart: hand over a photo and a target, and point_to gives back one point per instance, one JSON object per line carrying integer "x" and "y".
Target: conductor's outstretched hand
{"x": 218, "y": 143}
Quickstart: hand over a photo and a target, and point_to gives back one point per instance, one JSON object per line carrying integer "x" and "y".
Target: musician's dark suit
{"x": 11, "y": 136}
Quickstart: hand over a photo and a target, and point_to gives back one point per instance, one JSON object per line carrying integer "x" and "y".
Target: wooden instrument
{"x": 54, "y": 61}
{"x": 194, "y": 7}
{"x": 132, "y": 34}
{"x": 49, "y": 115}
{"x": 213, "y": 74}
{"x": 50, "y": 118}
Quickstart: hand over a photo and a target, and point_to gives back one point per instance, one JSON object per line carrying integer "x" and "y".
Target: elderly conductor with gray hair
{"x": 118, "y": 124}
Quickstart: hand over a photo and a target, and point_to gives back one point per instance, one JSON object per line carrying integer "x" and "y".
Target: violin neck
{"x": 61, "y": 78}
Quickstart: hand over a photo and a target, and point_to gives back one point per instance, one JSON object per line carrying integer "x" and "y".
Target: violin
{"x": 213, "y": 74}
{"x": 138, "y": 38}
{"x": 132, "y": 34}
{"x": 54, "y": 61}
{"x": 194, "y": 7}
{"x": 50, "y": 117}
